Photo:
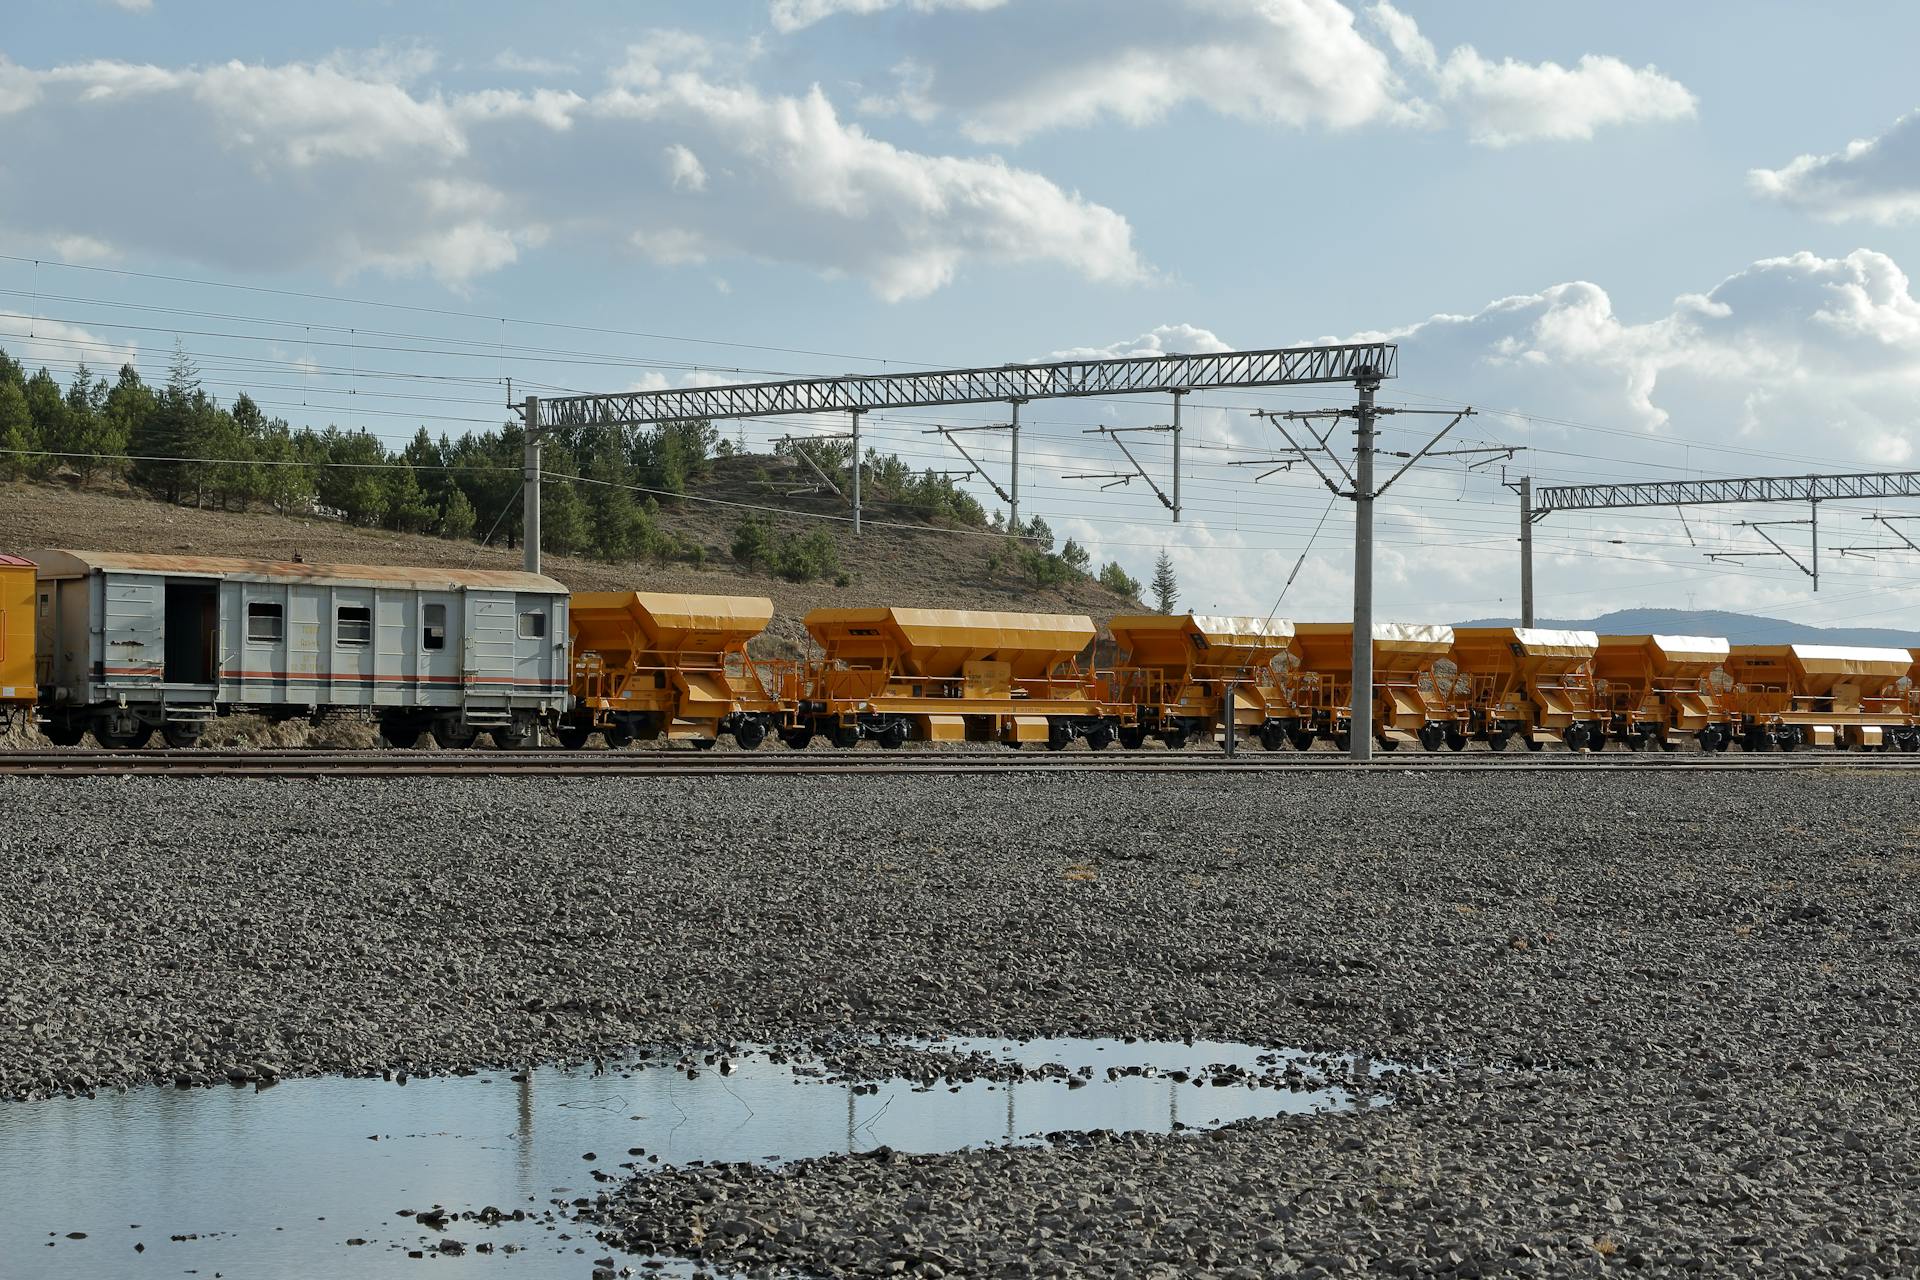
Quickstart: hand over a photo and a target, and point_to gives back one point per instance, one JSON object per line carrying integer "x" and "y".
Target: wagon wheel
{"x": 513, "y": 738}
{"x": 1534, "y": 744}
{"x": 1456, "y": 740}
{"x": 1302, "y": 739}
{"x": 1388, "y": 744}
{"x": 1431, "y": 736}
{"x": 1575, "y": 737}
{"x": 1133, "y": 737}
{"x": 180, "y": 736}
{"x": 1342, "y": 740}
{"x": 1497, "y": 741}
{"x": 796, "y": 739}
{"x": 452, "y": 738}
{"x": 845, "y": 736}
{"x": 1100, "y": 737}
{"x": 65, "y": 733}
{"x": 1273, "y": 737}
{"x": 133, "y": 741}
{"x": 748, "y": 734}
{"x": 894, "y": 736}
{"x": 573, "y": 736}
{"x": 1176, "y": 739}
{"x": 618, "y": 734}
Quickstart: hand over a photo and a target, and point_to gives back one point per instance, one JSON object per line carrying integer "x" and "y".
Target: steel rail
{"x": 549, "y": 764}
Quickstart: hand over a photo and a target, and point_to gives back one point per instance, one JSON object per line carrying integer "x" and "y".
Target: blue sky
{"x": 1656, "y": 251}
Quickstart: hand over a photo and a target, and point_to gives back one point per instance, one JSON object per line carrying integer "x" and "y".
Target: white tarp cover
{"x": 1431, "y": 634}
{"x": 1839, "y": 659}
{"x": 1269, "y": 628}
{"x": 1693, "y": 648}
{"x": 1564, "y": 644}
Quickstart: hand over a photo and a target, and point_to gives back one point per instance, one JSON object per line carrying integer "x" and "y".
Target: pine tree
{"x": 168, "y": 440}
{"x": 48, "y": 409}
{"x": 1165, "y": 588}
{"x": 128, "y": 406}
{"x": 456, "y": 516}
{"x": 17, "y": 436}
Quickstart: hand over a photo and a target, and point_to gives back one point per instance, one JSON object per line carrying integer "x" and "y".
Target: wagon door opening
{"x": 192, "y": 646}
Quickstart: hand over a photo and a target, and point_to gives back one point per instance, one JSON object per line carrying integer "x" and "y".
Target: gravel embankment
{"x": 1698, "y": 991}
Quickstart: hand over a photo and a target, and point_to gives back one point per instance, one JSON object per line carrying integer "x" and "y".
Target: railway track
{"x": 671, "y": 763}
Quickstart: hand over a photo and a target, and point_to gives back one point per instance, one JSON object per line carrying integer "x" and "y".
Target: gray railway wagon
{"x": 130, "y": 644}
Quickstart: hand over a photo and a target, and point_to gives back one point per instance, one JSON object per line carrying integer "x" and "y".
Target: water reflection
{"x": 275, "y": 1183}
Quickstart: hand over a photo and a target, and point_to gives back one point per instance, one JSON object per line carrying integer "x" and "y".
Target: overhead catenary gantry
{"x": 1363, "y": 364}
{"x": 1537, "y": 504}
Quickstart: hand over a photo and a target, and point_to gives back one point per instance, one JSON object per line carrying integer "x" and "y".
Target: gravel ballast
{"x": 1669, "y": 1017}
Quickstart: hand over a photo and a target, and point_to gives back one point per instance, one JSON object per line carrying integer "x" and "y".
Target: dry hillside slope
{"x": 922, "y": 565}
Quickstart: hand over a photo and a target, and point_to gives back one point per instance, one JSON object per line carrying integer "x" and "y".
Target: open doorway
{"x": 193, "y": 623}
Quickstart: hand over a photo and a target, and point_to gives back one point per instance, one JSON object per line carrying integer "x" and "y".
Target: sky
{"x": 1643, "y": 241}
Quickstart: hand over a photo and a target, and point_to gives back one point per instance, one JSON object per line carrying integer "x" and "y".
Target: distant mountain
{"x": 1737, "y": 628}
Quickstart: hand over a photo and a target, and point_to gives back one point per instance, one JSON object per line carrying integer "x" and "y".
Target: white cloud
{"x": 1874, "y": 180}
{"x": 684, "y": 169}
{"x": 1286, "y": 62}
{"x": 1506, "y": 102}
{"x": 912, "y": 94}
{"x": 792, "y": 15}
{"x": 133, "y": 6}
{"x": 1167, "y": 339}
{"x": 511, "y": 60}
{"x": 36, "y": 340}
{"x": 1291, "y": 63}
{"x": 83, "y": 249}
{"x": 343, "y": 166}
{"x": 804, "y": 185}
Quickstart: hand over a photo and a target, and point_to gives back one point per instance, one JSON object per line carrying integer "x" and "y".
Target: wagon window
{"x": 533, "y": 625}
{"x": 265, "y": 622}
{"x": 355, "y": 624}
{"x": 433, "y": 627}
{"x": 46, "y": 602}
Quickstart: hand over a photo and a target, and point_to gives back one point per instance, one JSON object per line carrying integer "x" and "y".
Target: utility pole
{"x": 856, "y": 471}
{"x": 530, "y": 489}
{"x": 1361, "y": 491}
{"x": 1526, "y": 551}
{"x": 1178, "y": 396}
{"x": 1528, "y": 518}
{"x": 1013, "y": 504}
{"x": 1360, "y": 716}
{"x": 1813, "y": 520}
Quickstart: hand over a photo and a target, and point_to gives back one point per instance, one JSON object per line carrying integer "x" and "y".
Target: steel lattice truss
{"x": 1290, "y": 366}
{"x": 1674, "y": 493}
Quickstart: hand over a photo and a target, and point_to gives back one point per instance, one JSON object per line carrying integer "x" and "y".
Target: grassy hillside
{"x": 919, "y": 564}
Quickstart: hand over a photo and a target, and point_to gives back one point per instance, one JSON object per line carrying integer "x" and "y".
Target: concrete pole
{"x": 1526, "y": 551}
{"x": 856, "y": 472}
{"x": 530, "y": 489}
{"x": 1177, "y": 396}
{"x": 1360, "y": 722}
{"x": 1013, "y": 503}
{"x": 1813, "y": 510}
{"x": 1227, "y": 716}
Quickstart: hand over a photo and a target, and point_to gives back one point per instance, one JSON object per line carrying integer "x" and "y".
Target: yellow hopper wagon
{"x": 1179, "y": 668}
{"x": 947, "y": 675}
{"x": 650, "y": 664}
{"x": 19, "y": 674}
{"x": 1652, "y": 690}
{"x": 1797, "y": 695}
{"x": 1532, "y": 683}
{"x": 1416, "y": 697}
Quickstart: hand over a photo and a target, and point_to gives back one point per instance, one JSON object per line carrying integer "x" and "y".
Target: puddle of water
{"x": 274, "y": 1183}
